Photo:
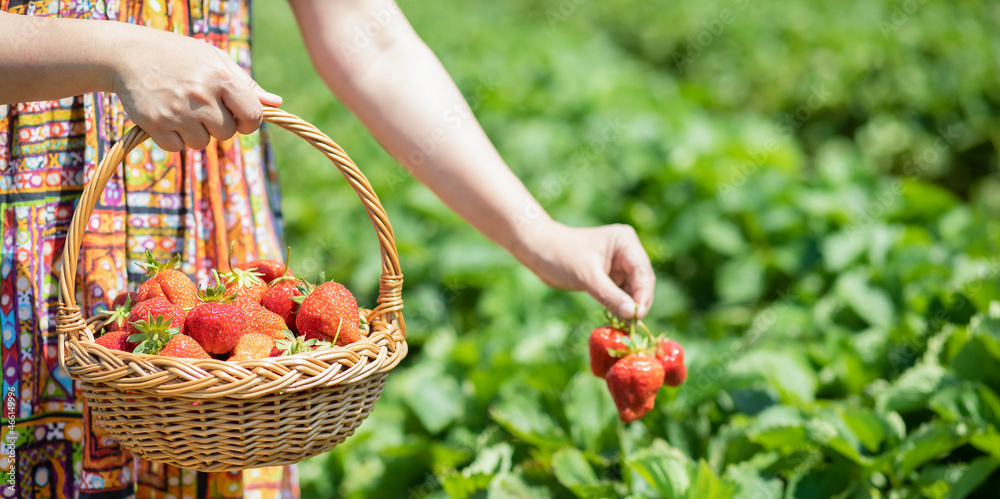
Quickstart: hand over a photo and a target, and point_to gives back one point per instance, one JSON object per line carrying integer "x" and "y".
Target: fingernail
{"x": 643, "y": 309}
{"x": 270, "y": 96}
{"x": 627, "y": 309}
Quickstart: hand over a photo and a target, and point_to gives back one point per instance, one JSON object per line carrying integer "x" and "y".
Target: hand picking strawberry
{"x": 634, "y": 366}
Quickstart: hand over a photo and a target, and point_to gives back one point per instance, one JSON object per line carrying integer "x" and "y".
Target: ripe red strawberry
{"x": 633, "y": 382}
{"x": 153, "y": 307}
{"x": 278, "y": 299}
{"x": 262, "y": 320}
{"x": 253, "y": 346}
{"x": 218, "y": 323}
{"x": 603, "y": 339}
{"x": 182, "y": 346}
{"x": 116, "y": 340}
{"x": 330, "y": 310}
{"x": 245, "y": 284}
{"x": 166, "y": 281}
{"x": 271, "y": 269}
{"x": 671, "y": 356}
{"x": 121, "y": 308}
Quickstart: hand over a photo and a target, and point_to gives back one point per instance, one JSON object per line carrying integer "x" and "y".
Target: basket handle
{"x": 390, "y": 302}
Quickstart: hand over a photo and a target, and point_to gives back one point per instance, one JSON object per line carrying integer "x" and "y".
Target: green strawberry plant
{"x": 816, "y": 186}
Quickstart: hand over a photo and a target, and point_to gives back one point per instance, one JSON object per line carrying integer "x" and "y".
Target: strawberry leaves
{"x": 153, "y": 335}
{"x": 293, "y": 344}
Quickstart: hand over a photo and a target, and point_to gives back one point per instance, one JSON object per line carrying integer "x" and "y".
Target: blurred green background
{"x": 816, "y": 184}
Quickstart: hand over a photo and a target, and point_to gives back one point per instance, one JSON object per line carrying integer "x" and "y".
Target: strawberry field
{"x": 816, "y": 184}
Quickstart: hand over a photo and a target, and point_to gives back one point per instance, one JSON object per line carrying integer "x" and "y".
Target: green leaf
{"x": 988, "y": 441}
{"x": 987, "y": 328}
{"x": 709, "y": 486}
{"x": 522, "y": 414}
{"x": 434, "y": 397}
{"x": 665, "y": 468}
{"x": 819, "y": 481}
{"x": 571, "y": 468}
{"x": 492, "y": 460}
{"x": 868, "y": 428}
{"x": 840, "y": 249}
{"x": 513, "y": 486}
{"x": 740, "y": 280}
{"x": 779, "y": 427}
{"x": 970, "y": 402}
{"x": 590, "y": 411}
{"x": 929, "y": 442}
{"x": 722, "y": 236}
{"x": 750, "y": 484}
{"x": 870, "y": 303}
{"x": 913, "y": 389}
{"x": 460, "y": 486}
{"x": 573, "y": 471}
{"x": 974, "y": 362}
{"x": 955, "y": 481}
{"x": 785, "y": 370}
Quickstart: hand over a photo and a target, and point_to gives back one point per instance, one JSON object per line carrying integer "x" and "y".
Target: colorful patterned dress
{"x": 158, "y": 201}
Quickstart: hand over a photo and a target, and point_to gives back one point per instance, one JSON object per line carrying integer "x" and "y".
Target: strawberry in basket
{"x": 168, "y": 282}
{"x": 116, "y": 340}
{"x": 218, "y": 322}
{"x": 121, "y": 308}
{"x": 328, "y": 312}
{"x": 154, "y": 307}
{"x": 262, "y": 320}
{"x": 157, "y": 337}
{"x": 279, "y": 298}
{"x": 247, "y": 285}
{"x": 269, "y": 270}
{"x": 253, "y": 346}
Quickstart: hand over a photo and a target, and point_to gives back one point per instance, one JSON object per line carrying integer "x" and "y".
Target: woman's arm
{"x": 180, "y": 90}
{"x": 402, "y": 93}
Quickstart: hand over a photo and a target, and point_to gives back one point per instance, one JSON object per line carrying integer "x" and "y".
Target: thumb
{"x": 266, "y": 98}
{"x": 604, "y": 290}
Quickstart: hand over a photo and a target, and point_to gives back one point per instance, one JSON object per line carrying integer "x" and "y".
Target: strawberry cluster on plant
{"x": 259, "y": 309}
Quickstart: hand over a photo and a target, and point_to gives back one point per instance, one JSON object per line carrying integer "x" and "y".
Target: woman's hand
{"x": 179, "y": 89}
{"x": 182, "y": 91}
{"x": 608, "y": 262}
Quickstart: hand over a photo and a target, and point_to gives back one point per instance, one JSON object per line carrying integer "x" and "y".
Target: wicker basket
{"x": 211, "y": 415}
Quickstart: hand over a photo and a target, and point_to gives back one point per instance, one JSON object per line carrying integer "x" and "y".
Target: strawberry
{"x": 270, "y": 269}
{"x": 330, "y": 310}
{"x": 603, "y": 340}
{"x": 671, "y": 356}
{"x": 633, "y": 382}
{"x": 121, "y": 308}
{"x": 116, "y": 340}
{"x": 278, "y": 299}
{"x": 262, "y": 320}
{"x": 253, "y": 346}
{"x": 291, "y": 344}
{"x": 245, "y": 284}
{"x": 182, "y": 346}
{"x": 154, "y": 307}
{"x": 166, "y": 281}
{"x": 218, "y": 323}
